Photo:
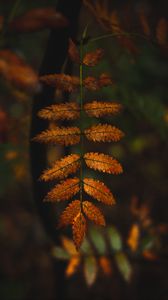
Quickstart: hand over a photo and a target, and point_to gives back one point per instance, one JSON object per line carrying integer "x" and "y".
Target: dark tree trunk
{"x": 53, "y": 60}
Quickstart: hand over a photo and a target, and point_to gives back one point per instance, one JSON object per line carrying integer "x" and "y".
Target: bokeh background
{"x": 129, "y": 258}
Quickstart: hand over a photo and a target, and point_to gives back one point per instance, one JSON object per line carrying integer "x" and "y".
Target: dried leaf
{"x": 161, "y": 31}
{"x": 90, "y": 269}
{"x": 99, "y": 109}
{"x": 92, "y": 58}
{"x": 133, "y": 238}
{"x": 98, "y": 190}
{"x": 62, "y": 111}
{"x": 73, "y": 52}
{"x": 72, "y": 266}
{"x": 69, "y": 213}
{"x": 105, "y": 265}
{"x": 17, "y": 72}
{"x": 61, "y": 81}
{"x": 64, "y": 190}
{"x": 60, "y": 135}
{"x": 103, "y": 133}
{"x": 38, "y": 19}
{"x": 62, "y": 168}
{"x": 91, "y": 83}
{"x": 93, "y": 213}
{"x": 102, "y": 162}
{"x": 79, "y": 229}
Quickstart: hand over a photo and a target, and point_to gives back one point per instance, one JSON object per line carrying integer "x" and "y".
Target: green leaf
{"x": 123, "y": 265}
{"x": 60, "y": 253}
{"x": 98, "y": 240}
{"x": 114, "y": 238}
{"x": 90, "y": 270}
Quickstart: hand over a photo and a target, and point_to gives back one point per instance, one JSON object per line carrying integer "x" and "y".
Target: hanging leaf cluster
{"x": 80, "y": 209}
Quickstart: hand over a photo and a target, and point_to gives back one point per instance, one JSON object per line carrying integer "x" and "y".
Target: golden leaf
{"x": 79, "y": 229}
{"x": 73, "y": 52}
{"x": 161, "y": 31}
{"x": 103, "y": 133}
{"x": 98, "y": 109}
{"x": 60, "y": 135}
{"x": 68, "y": 245}
{"x": 103, "y": 162}
{"x": 105, "y": 265}
{"x": 98, "y": 190}
{"x": 72, "y": 266}
{"x": 91, "y": 83}
{"x": 61, "y": 81}
{"x": 69, "y": 213}
{"x": 92, "y": 58}
{"x": 93, "y": 213}
{"x": 133, "y": 238}
{"x": 62, "y": 168}
{"x": 38, "y": 19}
{"x": 62, "y": 111}
{"x": 64, "y": 190}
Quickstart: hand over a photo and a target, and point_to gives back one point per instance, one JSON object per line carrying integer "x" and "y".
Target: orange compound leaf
{"x": 93, "y": 213}
{"x": 99, "y": 109}
{"x": 92, "y": 58}
{"x": 161, "y": 31}
{"x": 62, "y": 111}
{"x": 105, "y": 80}
{"x": 91, "y": 83}
{"x": 105, "y": 265}
{"x": 72, "y": 266}
{"x": 79, "y": 229}
{"x": 62, "y": 168}
{"x": 64, "y": 190}
{"x": 63, "y": 82}
{"x": 17, "y": 72}
{"x": 38, "y": 19}
{"x": 98, "y": 190}
{"x": 103, "y": 163}
{"x": 103, "y": 133}
{"x": 73, "y": 52}
{"x": 60, "y": 135}
{"x": 69, "y": 213}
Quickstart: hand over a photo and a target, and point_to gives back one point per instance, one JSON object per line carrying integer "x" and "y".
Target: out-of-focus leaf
{"x": 90, "y": 269}
{"x": 69, "y": 246}
{"x": 114, "y": 238}
{"x": 105, "y": 265}
{"x": 72, "y": 266}
{"x": 98, "y": 240}
{"x": 60, "y": 253}
{"x": 123, "y": 265}
{"x": 133, "y": 237}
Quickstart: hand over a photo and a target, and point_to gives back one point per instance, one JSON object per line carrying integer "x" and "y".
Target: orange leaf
{"x": 73, "y": 52}
{"x": 38, "y": 19}
{"x": 93, "y": 213}
{"x": 133, "y": 238}
{"x": 69, "y": 246}
{"x": 102, "y": 162}
{"x": 61, "y": 111}
{"x": 62, "y": 168}
{"x": 64, "y": 190}
{"x": 61, "y": 81}
{"x": 60, "y": 135}
{"x": 161, "y": 31}
{"x": 105, "y": 265}
{"x": 105, "y": 80}
{"x": 103, "y": 133}
{"x": 92, "y": 58}
{"x": 98, "y": 109}
{"x": 69, "y": 213}
{"x": 72, "y": 266}
{"x": 79, "y": 229}
{"x": 98, "y": 190}
{"x": 91, "y": 83}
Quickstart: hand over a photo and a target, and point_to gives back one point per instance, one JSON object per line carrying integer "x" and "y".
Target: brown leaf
{"x": 91, "y": 83}
{"x": 103, "y": 133}
{"x": 103, "y": 162}
{"x": 38, "y": 19}
{"x": 79, "y": 229}
{"x": 92, "y": 58}
{"x": 61, "y": 111}
{"x": 161, "y": 31}
{"x": 98, "y": 190}
{"x": 69, "y": 213}
{"x": 60, "y": 135}
{"x": 64, "y": 190}
{"x": 62, "y": 168}
{"x": 73, "y": 52}
{"x": 93, "y": 213}
{"x": 63, "y": 82}
{"x": 99, "y": 109}
{"x": 105, "y": 80}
